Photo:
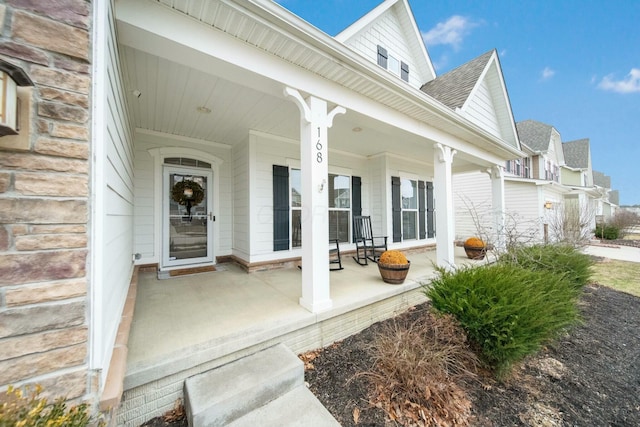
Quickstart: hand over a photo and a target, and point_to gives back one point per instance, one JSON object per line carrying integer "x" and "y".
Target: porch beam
{"x": 443, "y": 192}
{"x": 498, "y": 205}
{"x": 314, "y": 125}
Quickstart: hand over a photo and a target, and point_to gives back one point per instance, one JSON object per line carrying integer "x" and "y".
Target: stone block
{"x": 74, "y": 12}
{"x": 43, "y": 211}
{"x": 70, "y": 131}
{"x": 50, "y": 241}
{"x": 38, "y": 343}
{"x": 28, "y": 320}
{"x": 40, "y": 266}
{"x": 65, "y": 97}
{"x": 70, "y": 384}
{"x": 19, "y": 230}
{"x": 26, "y": 53}
{"x": 63, "y": 112}
{"x": 3, "y": 11}
{"x": 51, "y": 35}
{"x": 69, "y": 64}
{"x": 36, "y": 364}
{"x": 34, "y": 162}
{"x": 45, "y": 292}
{"x": 4, "y": 239}
{"x": 58, "y": 229}
{"x": 5, "y": 181}
{"x": 50, "y": 184}
{"x": 60, "y": 79}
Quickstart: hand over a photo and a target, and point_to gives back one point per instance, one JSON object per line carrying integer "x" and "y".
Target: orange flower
{"x": 393, "y": 257}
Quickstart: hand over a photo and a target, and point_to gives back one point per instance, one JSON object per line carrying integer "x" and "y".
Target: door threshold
{"x": 167, "y": 274}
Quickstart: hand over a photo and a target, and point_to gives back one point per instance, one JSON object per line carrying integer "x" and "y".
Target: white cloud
{"x": 451, "y": 32}
{"x": 629, "y": 84}
{"x": 547, "y": 73}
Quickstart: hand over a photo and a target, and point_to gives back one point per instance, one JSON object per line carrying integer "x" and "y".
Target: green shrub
{"x": 507, "y": 311}
{"x": 560, "y": 259}
{"x": 28, "y": 409}
{"x": 607, "y": 231}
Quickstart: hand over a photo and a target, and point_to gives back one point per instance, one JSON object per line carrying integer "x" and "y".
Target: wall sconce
{"x": 548, "y": 205}
{"x": 11, "y": 76}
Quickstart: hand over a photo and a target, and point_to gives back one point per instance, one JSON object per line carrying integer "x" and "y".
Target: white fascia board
{"x": 158, "y": 30}
{"x": 367, "y": 19}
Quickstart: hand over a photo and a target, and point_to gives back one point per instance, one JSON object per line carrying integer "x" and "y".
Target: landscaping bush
{"x": 607, "y": 231}
{"x": 560, "y": 259}
{"x": 420, "y": 368}
{"x": 507, "y": 311}
{"x": 27, "y": 409}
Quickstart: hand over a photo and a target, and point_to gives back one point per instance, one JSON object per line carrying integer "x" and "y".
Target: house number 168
{"x": 319, "y": 148}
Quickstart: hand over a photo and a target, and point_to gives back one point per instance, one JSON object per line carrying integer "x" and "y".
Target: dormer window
{"x": 393, "y": 64}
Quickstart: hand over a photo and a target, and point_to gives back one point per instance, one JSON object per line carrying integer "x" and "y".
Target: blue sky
{"x": 572, "y": 64}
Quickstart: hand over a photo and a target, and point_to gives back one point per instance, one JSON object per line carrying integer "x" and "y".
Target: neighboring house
{"x": 577, "y": 175}
{"x": 533, "y": 192}
{"x": 608, "y": 201}
{"x": 268, "y": 114}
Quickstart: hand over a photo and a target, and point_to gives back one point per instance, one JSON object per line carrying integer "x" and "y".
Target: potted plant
{"x": 393, "y": 266}
{"x": 475, "y": 248}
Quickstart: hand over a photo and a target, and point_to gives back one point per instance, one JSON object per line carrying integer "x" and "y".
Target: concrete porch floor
{"x": 190, "y": 324}
{"x": 179, "y": 318}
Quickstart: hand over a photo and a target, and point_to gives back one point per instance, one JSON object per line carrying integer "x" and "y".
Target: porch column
{"x": 314, "y": 124}
{"x": 443, "y": 192}
{"x": 498, "y": 205}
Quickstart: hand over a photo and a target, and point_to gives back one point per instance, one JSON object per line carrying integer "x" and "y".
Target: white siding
{"x": 266, "y": 151}
{"x": 482, "y": 111}
{"x": 388, "y": 32}
{"x": 472, "y": 204}
{"x": 524, "y": 206}
{"x": 242, "y": 175}
{"x": 115, "y": 188}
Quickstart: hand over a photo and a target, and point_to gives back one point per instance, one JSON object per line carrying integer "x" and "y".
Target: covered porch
{"x": 190, "y": 324}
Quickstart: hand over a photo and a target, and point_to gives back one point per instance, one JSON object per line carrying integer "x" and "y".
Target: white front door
{"x": 187, "y": 216}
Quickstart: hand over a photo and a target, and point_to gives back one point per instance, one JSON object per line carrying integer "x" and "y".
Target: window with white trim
{"x": 339, "y": 193}
{"x": 409, "y": 195}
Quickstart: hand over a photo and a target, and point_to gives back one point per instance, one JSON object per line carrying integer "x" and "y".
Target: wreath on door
{"x": 178, "y": 193}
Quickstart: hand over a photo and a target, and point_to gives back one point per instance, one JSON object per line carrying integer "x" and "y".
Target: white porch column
{"x": 314, "y": 123}
{"x": 443, "y": 192}
{"x": 498, "y": 205}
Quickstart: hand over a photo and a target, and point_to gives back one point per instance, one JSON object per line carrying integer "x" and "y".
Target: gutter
{"x": 340, "y": 54}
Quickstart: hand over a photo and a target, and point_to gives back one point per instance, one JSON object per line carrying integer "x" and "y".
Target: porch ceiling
{"x": 175, "y": 80}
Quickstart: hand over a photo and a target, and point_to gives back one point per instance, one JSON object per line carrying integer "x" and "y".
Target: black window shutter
{"x": 280, "y": 208}
{"x": 422, "y": 210}
{"x": 431, "y": 232}
{"x": 382, "y": 57}
{"x": 356, "y": 197}
{"x": 396, "y": 209}
{"x": 404, "y": 71}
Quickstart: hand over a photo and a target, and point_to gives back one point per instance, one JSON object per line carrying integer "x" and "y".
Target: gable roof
{"x": 535, "y": 135}
{"x": 453, "y": 88}
{"x": 478, "y": 92}
{"x": 576, "y": 153}
{"x": 414, "y": 40}
{"x": 601, "y": 179}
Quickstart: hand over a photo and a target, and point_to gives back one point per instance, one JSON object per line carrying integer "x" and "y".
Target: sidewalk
{"x": 619, "y": 252}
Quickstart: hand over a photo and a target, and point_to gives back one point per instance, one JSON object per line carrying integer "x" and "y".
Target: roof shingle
{"x": 535, "y": 135}
{"x": 576, "y": 153}
{"x": 453, "y": 88}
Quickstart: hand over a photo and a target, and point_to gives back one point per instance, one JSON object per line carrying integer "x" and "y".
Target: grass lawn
{"x": 620, "y": 275}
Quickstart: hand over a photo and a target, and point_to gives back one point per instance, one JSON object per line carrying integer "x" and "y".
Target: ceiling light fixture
{"x": 357, "y": 129}
{"x": 204, "y": 110}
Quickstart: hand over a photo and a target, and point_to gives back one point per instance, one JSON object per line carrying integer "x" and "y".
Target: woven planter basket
{"x": 394, "y": 273}
{"x": 475, "y": 253}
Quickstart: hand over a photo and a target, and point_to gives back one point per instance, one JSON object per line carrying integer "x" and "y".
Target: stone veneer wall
{"x": 44, "y": 202}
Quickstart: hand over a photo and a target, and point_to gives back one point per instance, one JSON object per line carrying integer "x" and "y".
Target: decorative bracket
{"x": 445, "y": 153}
{"x": 300, "y": 102}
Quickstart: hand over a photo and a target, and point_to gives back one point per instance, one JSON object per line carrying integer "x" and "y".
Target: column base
{"x": 316, "y": 306}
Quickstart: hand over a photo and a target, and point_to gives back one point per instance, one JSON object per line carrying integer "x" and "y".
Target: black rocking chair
{"x": 334, "y": 255}
{"x": 368, "y": 246}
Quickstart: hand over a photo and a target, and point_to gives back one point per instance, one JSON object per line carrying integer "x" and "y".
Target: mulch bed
{"x": 589, "y": 377}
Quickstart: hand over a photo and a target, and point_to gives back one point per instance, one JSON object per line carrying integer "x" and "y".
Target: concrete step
{"x": 222, "y": 395}
{"x": 297, "y": 408}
